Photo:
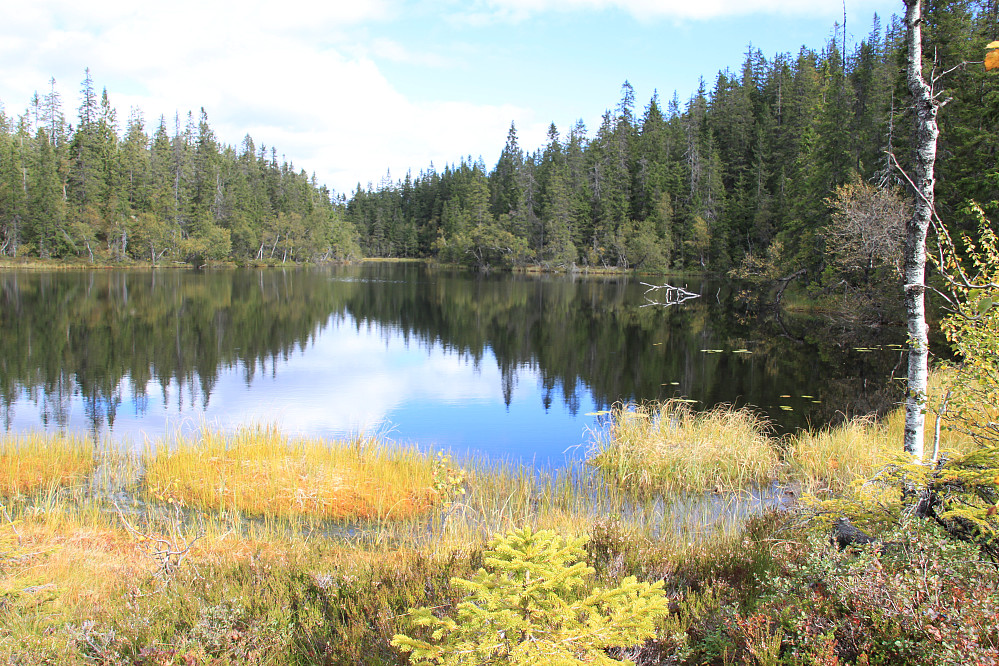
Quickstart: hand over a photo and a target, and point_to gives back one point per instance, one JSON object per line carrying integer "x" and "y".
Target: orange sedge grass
{"x": 259, "y": 471}
{"x": 35, "y": 461}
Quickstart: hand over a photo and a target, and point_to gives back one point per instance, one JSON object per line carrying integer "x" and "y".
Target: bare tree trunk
{"x": 915, "y": 236}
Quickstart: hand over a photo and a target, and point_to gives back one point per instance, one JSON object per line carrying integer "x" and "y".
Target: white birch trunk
{"x": 915, "y": 237}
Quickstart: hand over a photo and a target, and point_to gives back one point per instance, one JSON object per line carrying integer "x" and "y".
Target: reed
{"x": 35, "y": 461}
{"x": 668, "y": 448}
{"x": 259, "y": 471}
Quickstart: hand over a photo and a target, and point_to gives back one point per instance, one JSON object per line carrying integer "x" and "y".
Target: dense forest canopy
{"x": 763, "y": 171}
{"x": 104, "y": 192}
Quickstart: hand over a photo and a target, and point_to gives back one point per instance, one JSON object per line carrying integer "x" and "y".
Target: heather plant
{"x": 533, "y": 603}
{"x": 919, "y": 597}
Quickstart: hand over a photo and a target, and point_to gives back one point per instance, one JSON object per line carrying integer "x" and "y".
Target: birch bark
{"x": 915, "y": 238}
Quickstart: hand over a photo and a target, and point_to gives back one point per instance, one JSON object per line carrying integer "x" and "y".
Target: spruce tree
{"x": 534, "y": 603}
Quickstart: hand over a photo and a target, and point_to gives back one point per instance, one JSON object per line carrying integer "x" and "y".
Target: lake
{"x": 516, "y": 367}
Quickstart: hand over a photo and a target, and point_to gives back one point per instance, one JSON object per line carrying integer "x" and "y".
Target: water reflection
{"x": 502, "y": 365}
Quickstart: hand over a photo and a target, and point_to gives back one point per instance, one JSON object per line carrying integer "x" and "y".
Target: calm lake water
{"x": 504, "y": 366}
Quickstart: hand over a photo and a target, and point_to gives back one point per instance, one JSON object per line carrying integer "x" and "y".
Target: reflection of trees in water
{"x": 593, "y": 334}
{"x": 66, "y": 334}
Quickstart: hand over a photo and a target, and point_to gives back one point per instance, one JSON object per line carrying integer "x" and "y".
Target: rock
{"x": 846, "y": 534}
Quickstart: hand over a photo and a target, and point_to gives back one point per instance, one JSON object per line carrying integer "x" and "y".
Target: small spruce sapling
{"x": 533, "y": 604}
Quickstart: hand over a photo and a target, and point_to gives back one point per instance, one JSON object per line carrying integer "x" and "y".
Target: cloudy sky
{"x": 349, "y": 90}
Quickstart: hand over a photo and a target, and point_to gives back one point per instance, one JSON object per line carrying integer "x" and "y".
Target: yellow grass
{"x": 669, "y": 448}
{"x": 71, "y": 564}
{"x": 259, "y": 471}
{"x": 80, "y": 567}
{"x": 941, "y": 379}
{"x": 35, "y": 461}
{"x": 832, "y": 458}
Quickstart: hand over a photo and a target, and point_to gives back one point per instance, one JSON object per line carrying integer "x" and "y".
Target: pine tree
{"x": 504, "y": 182}
{"x": 85, "y": 178}
{"x": 47, "y": 215}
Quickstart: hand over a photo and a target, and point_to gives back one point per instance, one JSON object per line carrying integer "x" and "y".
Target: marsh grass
{"x": 33, "y": 462}
{"x": 834, "y": 457}
{"x": 80, "y": 581}
{"x": 287, "y": 582}
{"x": 259, "y": 471}
{"x": 669, "y": 448}
{"x": 77, "y": 588}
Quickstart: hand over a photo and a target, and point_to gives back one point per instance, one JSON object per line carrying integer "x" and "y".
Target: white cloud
{"x": 517, "y": 10}
{"x": 283, "y": 72}
{"x": 393, "y": 51}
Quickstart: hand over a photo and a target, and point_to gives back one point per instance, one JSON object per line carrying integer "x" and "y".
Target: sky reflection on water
{"x": 354, "y": 379}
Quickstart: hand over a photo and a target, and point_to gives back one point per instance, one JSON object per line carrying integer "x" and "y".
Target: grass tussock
{"x": 259, "y": 471}
{"x": 670, "y": 448}
{"x": 33, "y": 462}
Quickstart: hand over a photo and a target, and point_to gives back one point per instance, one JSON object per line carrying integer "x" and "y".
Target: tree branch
{"x": 941, "y": 231}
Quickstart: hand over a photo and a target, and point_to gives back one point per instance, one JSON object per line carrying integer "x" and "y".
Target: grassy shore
{"x": 81, "y": 264}
{"x": 256, "y": 548}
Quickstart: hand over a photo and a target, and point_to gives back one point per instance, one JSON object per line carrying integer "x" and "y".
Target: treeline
{"x": 749, "y": 174}
{"x": 748, "y": 170}
{"x": 106, "y": 193}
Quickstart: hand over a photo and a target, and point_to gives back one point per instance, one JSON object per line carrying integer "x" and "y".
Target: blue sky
{"x": 350, "y": 89}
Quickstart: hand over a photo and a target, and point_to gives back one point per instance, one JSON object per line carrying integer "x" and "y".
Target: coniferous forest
{"x": 106, "y": 192}
{"x": 760, "y": 172}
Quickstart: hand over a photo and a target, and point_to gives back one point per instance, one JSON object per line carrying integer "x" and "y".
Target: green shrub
{"x": 919, "y": 598}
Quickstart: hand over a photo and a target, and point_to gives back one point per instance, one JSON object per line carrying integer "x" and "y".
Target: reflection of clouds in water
{"x": 350, "y": 381}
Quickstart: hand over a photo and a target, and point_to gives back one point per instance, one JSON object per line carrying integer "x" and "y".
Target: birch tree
{"x": 926, "y": 108}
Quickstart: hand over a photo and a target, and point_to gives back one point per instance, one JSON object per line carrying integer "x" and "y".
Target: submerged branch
{"x": 670, "y": 295}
